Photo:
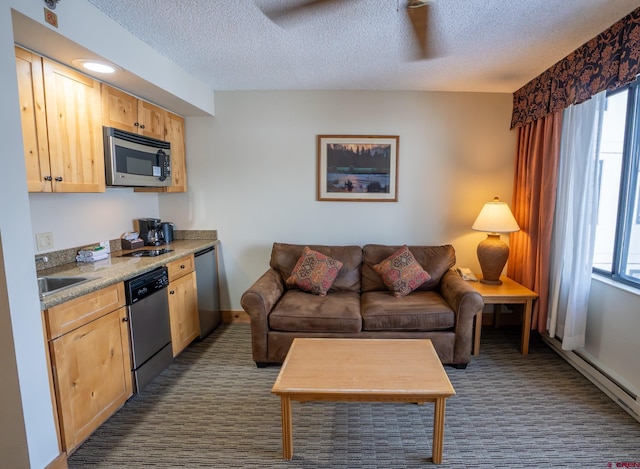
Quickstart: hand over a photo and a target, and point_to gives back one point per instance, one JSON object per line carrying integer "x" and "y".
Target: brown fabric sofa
{"x": 359, "y": 305}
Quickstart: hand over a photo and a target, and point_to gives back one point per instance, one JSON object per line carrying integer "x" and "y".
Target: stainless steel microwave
{"x": 133, "y": 160}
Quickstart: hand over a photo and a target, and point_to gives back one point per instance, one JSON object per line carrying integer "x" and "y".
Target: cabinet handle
{"x": 136, "y": 124}
{"x": 182, "y": 266}
{"x": 142, "y": 126}
{"x": 48, "y": 178}
{"x": 172, "y": 292}
{"x": 125, "y": 319}
{"x": 58, "y": 178}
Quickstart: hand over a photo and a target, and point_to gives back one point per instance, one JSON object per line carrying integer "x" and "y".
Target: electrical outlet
{"x": 44, "y": 241}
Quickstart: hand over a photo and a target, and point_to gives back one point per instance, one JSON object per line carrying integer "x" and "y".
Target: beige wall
{"x": 252, "y": 173}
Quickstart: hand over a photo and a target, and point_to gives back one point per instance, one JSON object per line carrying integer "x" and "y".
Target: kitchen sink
{"x": 49, "y": 285}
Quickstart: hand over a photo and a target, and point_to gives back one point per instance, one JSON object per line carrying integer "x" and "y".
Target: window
{"x": 617, "y": 241}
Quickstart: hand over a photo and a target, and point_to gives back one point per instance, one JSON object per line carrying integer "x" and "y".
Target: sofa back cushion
{"x": 434, "y": 259}
{"x": 285, "y": 256}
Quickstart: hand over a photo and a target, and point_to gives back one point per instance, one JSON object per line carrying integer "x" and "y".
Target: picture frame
{"x": 358, "y": 168}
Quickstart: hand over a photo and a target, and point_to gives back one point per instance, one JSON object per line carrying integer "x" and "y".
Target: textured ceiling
{"x": 477, "y": 45}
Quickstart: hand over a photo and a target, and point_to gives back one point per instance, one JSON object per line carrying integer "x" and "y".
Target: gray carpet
{"x": 213, "y": 408}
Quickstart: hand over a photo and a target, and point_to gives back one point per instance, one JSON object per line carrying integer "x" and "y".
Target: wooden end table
{"x": 363, "y": 370}
{"x": 510, "y": 292}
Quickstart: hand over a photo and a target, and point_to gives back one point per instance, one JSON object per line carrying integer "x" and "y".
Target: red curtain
{"x": 533, "y": 206}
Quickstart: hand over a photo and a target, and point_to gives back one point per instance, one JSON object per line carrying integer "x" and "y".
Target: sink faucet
{"x": 42, "y": 258}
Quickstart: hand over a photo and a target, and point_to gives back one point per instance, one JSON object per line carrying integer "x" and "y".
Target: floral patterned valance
{"x": 606, "y": 62}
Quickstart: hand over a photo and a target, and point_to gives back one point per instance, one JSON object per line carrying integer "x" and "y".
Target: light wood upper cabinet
{"x": 34, "y": 120}
{"x": 61, "y": 126}
{"x": 183, "y": 303}
{"x": 126, "y": 112}
{"x": 119, "y": 109}
{"x": 151, "y": 119}
{"x": 174, "y": 134}
{"x": 74, "y": 129}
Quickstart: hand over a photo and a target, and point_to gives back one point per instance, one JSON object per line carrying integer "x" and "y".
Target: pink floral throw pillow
{"x": 314, "y": 272}
{"x": 401, "y": 272}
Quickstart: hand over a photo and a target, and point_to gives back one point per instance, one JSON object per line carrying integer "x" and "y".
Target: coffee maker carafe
{"x": 150, "y": 231}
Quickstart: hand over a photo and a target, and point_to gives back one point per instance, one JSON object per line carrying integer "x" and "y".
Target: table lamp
{"x": 494, "y": 218}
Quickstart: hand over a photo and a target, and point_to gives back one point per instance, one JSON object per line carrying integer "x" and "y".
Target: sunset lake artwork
{"x": 357, "y": 168}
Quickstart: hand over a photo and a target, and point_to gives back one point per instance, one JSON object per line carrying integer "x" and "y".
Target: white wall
{"x": 252, "y": 173}
{"x": 26, "y": 416}
{"x": 613, "y": 325}
{"x": 80, "y": 219}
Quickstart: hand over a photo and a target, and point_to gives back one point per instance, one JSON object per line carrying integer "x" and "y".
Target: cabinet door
{"x": 74, "y": 122}
{"x": 119, "y": 109}
{"x": 174, "y": 133}
{"x": 92, "y": 372}
{"x": 183, "y": 312}
{"x": 34, "y": 120}
{"x": 151, "y": 120}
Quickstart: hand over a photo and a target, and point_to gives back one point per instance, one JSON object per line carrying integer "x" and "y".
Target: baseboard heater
{"x": 617, "y": 392}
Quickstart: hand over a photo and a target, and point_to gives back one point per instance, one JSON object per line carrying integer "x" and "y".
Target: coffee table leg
{"x": 287, "y": 436}
{"x": 438, "y": 430}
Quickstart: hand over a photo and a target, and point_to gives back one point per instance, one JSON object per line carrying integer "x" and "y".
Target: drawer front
{"x": 67, "y": 316}
{"x": 180, "y": 267}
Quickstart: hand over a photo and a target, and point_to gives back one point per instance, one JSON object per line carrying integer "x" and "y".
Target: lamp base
{"x": 491, "y": 282}
{"x": 492, "y": 255}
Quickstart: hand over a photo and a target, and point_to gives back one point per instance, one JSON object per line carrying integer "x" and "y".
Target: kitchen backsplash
{"x": 67, "y": 256}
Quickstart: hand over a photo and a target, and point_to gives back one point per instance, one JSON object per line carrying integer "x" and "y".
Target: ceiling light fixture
{"x": 97, "y": 66}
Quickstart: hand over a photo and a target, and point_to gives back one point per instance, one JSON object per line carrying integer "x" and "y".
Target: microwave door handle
{"x": 162, "y": 159}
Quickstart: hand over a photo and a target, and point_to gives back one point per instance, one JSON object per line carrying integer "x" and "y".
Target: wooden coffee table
{"x": 363, "y": 370}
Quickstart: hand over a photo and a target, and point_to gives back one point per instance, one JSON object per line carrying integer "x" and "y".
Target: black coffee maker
{"x": 151, "y": 231}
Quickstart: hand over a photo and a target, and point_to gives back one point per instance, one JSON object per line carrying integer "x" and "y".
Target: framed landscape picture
{"x": 358, "y": 168}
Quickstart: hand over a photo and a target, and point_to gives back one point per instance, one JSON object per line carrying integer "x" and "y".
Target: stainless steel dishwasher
{"x": 149, "y": 325}
{"x": 206, "y": 264}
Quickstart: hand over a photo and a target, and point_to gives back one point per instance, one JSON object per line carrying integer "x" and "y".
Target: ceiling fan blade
{"x": 283, "y": 13}
{"x": 418, "y": 12}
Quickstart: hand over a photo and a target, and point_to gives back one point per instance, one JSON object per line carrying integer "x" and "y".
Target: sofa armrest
{"x": 258, "y": 301}
{"x": 466, "y": 302}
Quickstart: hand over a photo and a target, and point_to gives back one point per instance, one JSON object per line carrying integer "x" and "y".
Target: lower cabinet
{"x": 90, "y": 361}
{"x": 183, "y": 303}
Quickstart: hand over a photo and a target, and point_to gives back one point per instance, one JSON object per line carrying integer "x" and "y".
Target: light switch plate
{"x": 44, "y": 241}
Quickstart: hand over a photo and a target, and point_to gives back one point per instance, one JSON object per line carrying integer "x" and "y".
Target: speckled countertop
{"x": 116, "y": 269}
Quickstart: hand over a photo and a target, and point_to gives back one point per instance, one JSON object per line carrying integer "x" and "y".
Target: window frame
{"x": 629, "y": 179}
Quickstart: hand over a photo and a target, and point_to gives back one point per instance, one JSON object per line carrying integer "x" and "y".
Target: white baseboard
{"x": 625, "y": 398}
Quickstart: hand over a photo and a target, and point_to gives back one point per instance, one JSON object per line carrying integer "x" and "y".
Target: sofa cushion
{"x": 298, "y": 311}
{"x": 314, "y": 272}
{"x": 419, "y": 311}
{"x": 434, "y": 259}
{"x": 401, "y": 273}
{"x": 285, "y": 256}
